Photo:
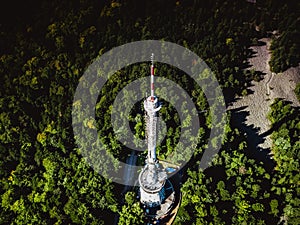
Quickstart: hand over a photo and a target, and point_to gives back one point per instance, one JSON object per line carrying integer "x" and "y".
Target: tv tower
{"x": 152, "y": 178}
{"x": 156, "y": 192}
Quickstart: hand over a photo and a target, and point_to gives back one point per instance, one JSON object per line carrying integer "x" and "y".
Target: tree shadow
{"x": 260, "y": 43}
{"x": 254, "y": 139}
{"x": 230, "y": 95}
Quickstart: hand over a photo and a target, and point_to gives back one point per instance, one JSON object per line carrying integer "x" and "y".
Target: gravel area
{"x": 257, "y": 104}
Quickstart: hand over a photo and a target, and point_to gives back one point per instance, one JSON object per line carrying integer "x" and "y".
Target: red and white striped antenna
{"x": 152, "y": 77}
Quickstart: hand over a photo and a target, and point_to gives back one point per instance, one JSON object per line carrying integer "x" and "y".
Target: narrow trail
{"x": 268, "y": 83}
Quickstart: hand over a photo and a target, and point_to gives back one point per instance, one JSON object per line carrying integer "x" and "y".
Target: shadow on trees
{"x": 253, "y": 137}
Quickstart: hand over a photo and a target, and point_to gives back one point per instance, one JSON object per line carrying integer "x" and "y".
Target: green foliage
{"x": 286, "y": 149}
{"x": 285, "y": 53}
{"x": 44, "y": 179}
{"x": 131, "y": 213}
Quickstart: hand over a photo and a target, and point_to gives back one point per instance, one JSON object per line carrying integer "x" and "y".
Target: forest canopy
{"x": 45, "y": 47}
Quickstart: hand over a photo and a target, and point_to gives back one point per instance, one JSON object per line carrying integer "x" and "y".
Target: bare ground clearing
{"x": 257, "y": 104}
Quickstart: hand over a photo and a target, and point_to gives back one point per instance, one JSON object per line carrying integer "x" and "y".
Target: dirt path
{"x": 257, "y": 105}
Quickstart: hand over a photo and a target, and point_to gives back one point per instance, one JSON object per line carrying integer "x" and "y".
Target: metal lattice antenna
{"x": 152, "y": 59}
{"x": 152, "y": 77}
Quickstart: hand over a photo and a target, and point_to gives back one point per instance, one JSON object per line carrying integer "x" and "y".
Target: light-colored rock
{"x": 265, "y": 91}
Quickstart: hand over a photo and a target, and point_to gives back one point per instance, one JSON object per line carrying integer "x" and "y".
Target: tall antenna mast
{"x": 152, "y": 77}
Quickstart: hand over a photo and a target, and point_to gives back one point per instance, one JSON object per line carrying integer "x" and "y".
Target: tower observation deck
{"x": 155, "y": 190}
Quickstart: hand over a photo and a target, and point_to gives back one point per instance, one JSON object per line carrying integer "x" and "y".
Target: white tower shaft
{"x": 152, "y": 178}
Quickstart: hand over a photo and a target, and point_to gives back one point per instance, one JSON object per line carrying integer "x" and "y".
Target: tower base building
{"x": 152, "y": 194}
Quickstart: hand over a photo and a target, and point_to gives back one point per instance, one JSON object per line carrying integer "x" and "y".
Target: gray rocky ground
{"x": 256, "y": 105}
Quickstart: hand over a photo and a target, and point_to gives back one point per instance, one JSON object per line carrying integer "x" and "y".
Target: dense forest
{"x": 45, "y": 47}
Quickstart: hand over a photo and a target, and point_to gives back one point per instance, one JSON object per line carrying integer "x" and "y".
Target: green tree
{"x": 131, "y": 212}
